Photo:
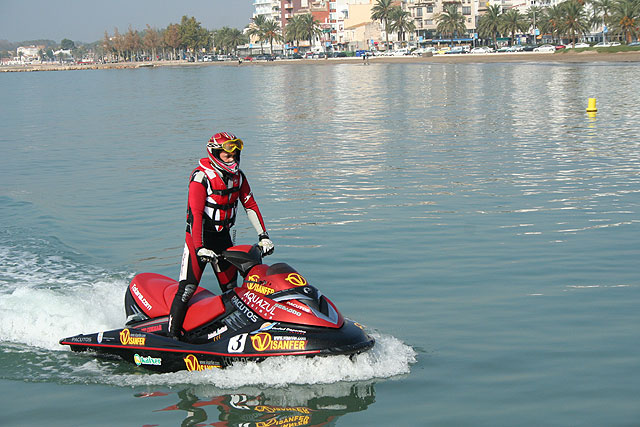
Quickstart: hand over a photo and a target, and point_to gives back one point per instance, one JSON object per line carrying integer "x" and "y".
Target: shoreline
{"x": 513, "y": 57}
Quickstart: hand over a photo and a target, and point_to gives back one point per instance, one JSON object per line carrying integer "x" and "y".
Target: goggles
{"x": 230, "y": 145}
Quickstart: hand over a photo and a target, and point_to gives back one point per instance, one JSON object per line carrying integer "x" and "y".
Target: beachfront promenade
{"x": 569, "y": 57}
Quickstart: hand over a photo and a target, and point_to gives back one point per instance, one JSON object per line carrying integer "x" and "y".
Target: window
{"x": 419, "y": 12}
{"x": 466, "y": 10}
{"x": 429, "y": 9}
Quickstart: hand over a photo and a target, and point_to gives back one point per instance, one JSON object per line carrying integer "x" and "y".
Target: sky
{"x": 87, "y": 20}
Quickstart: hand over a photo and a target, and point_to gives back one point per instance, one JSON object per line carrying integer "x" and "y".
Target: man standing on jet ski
{"x": 215, "y": 187}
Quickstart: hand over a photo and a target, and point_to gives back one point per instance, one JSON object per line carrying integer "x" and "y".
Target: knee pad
{"x": 188, "y": 292}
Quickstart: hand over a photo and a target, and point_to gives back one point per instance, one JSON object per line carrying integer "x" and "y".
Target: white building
{"x": 339, "y": 12}
{"x": 29, "y": 53}
{"x": 268, "y": 8}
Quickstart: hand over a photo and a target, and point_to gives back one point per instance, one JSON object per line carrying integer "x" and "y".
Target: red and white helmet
{"x": 225, "y": 141}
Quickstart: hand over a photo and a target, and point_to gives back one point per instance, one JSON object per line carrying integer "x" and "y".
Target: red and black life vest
{"x": 223, "y": 192}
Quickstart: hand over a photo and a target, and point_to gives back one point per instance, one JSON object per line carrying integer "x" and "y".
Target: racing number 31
{"x": 236, "y": 343}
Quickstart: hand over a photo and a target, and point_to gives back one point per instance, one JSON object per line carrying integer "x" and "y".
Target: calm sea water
{"x": 480, "y": 224}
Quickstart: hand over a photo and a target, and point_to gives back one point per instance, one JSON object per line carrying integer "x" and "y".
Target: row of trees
{"x": 568, "y": 19}
{"x": 188, "y": 36}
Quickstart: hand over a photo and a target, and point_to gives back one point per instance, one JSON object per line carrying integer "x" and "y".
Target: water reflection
{"x": 293, "y": 406}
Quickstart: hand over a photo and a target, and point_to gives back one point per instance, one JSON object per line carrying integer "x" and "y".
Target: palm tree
{"x": 601, "y": 14}
{"x": 228, "y": 39}
{"x": 450, "y": 21}
{"x": 575, "y": 20}
{"x": 513, "y": 22}
{"x": 380, "y": 12}
{"x": 234, "y": 38}
{"x": 489, "y": 24}
{"x": 401, "y": 22}
{"x": 271, "y": 31}
{"x": 553, "y": 20}
{"x": 534, "y": 15}
{"x": 625, "y": 18}
{"x": 256, "y": 29}
{"x": 309, "y": 27}
{"x": 293, "y": 29}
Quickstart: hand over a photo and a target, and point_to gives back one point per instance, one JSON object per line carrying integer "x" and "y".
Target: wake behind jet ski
{"x": 275, "y": 312}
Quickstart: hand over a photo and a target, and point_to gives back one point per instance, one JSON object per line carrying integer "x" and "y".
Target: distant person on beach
{"x": 215, "y": 187}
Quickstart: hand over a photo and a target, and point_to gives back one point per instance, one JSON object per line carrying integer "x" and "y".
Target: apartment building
{"x": 268, "y": 8}
{"x": 425, "y": 12}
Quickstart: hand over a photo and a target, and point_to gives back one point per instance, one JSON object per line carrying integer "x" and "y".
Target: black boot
{"x": 179, "y": 309}
{"x": 176, "y": 318}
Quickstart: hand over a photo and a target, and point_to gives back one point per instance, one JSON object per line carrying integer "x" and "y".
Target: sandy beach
{"x": 515, "y": 57}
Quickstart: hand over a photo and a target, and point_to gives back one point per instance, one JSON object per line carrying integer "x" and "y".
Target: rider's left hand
{"x": 265, "y": 244}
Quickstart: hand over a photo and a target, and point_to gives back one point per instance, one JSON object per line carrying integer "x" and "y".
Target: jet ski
{"x": 275, "y": 312}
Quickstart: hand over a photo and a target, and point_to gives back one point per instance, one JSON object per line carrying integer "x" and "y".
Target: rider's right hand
{"x": 206, "y": 255}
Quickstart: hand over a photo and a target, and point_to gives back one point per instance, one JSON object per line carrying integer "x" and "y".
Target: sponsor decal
{"x": 236, "y": 343}
{"x": 264, "y": 327}
{"x": 80, "y": 339}
{"x": 296, "y": 280}
{"x": 254, "y": 285}
{"x": 242, "y": 308}
{"x": 359, "y": 325}
{"x": 268, "y": 326}
{"x": 273, "y": 409}
{"x": 263, "y": 306}
{"x": 288, "y": 309}
{"x": 215, "y": 335}
{"x": 298, "y": 306}
{"x": 127, "y": 338}
{"x": 154, "y": 328}
{"x": 147, "y": 360}
{"x": 292, "y": 421}
{"x": 289, "y": 330}
{"x": 100, "y": 335}
{"x": 140, "y": 297}
{"x": 266, "y": 342}
{"x": 193, "y": 364}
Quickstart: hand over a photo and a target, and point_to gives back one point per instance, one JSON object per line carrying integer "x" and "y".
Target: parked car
{"x": 481, "y": 49}
{"x": 423, "y": 50}
{"x": 455, "y": 50}
{"x": 636, "y": 43}
{"x": 545, "y": 48}
{"x": 578, "y": 46}
{"x": 607, "y": 44}
{"x": 265, "y": 57}
{"x": 400, "y": 52}
{"x": 529, "y": 47}
{"x": 560, "y": 46}
{"x": 442, "y": 50}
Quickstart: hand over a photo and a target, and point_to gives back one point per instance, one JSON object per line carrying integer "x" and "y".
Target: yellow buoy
{"x": 591, "y": 108}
